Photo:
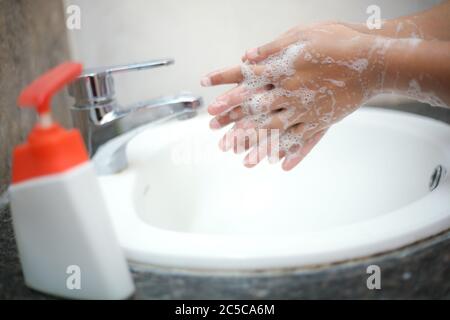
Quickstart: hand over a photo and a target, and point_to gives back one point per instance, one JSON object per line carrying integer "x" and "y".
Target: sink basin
{"x": 364, "y": 190}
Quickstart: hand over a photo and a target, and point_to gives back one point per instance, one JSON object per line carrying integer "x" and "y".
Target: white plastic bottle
{"x": 67, "y": 245}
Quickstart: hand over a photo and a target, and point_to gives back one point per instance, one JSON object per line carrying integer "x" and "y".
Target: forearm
{"x": 417, "y": 69}
{"x": 428, "y": 25}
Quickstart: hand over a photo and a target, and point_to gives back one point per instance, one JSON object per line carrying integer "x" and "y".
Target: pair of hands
{"x": 295, "y": 87}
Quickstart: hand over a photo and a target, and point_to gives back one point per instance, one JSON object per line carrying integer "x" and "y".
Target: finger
{"x": 261, "y": 101}
{"x": 226, "y": 118}
{"x": 293, "y": 139}
{"x": 228, "y": 75}
{"x": 258, "y": 125}
{"x": 264, "y": 148}
{"x": 244, "y": 134}
{"x": 228, "y": 140}
{"x": 261, "y": 53}
{"x": 237, "y": 139}
{"x": 239, "y": 112}
{"x": 276, "y": 98}
{"x": 223, "y": 76}
{"x": 232, "y": 99}
{"x": 290, "y": 119}
{"x": 267, "y": 101}
{"x": 281, "y": 119}
{"x": 294, "y": 159}
{"x": 250, "y": 130}
{"x": 256, "y": 155}
{"x": 228, "y": 100}
{"x": 244, "y": 139}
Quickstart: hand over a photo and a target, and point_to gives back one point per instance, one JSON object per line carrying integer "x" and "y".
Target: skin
{"x": 344, "y": 65}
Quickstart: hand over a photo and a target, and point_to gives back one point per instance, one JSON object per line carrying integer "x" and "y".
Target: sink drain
{"x": 436, "y": 177}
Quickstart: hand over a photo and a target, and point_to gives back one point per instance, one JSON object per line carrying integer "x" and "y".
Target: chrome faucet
{"x": 106, "y": 126}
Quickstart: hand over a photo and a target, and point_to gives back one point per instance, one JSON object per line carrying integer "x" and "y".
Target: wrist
{"x": 391, "y": 63}
{"x": 374, "y": 76}
{"x": 399, "y": 63}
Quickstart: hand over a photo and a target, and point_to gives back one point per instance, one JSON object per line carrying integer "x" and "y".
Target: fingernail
{"x": 205, "y": 82}
{"x": 251, "y": 159}
{"x": 214, "y": 124}
{"x": 247, "y": 164}
{"x": 252, "y": 53}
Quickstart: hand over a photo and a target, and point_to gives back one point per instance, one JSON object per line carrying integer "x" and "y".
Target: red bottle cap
{"x": 49, "y": 149}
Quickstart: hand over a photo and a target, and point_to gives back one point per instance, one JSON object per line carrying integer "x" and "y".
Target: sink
{"x": 364, "y": 190}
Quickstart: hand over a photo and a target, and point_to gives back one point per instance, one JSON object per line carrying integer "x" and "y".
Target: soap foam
{"x": 309, "y": 96}
{"x": 257, "y": 108}
{"x": 275, "y": 66}
{"x": 337, "y": 83}
{"x": 299, "y": 101}
{"x": 415, "y": 91}
{"x": 358, "y": 65}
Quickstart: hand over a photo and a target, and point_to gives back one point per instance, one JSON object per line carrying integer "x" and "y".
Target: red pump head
{"x": 50, "y": 149}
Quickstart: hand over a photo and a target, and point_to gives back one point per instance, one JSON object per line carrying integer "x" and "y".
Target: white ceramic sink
{"x": 363, "y": 190}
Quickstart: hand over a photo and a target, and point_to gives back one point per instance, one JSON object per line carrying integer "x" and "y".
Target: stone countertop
{"x": 419, "y": 271}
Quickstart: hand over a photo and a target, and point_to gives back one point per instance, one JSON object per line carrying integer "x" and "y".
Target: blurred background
{"x": 202, "y": 35}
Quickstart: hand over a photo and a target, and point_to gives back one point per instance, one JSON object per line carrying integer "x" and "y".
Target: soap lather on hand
{"x": 295, "y": 88}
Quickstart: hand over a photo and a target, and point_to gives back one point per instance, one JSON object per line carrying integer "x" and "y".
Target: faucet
{"x": 107, "y": 127}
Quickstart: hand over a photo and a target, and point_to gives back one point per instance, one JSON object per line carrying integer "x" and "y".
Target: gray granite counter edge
{"x": 417, "y": 271}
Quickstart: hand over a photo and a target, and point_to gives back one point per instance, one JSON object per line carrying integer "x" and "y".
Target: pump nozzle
{"x": 40, "y": 92}
{"x": 49, "y": 149}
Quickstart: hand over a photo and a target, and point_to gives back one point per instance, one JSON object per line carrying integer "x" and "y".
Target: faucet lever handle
{"x": 96, "y": 86}
{"x": 131, "y": 67}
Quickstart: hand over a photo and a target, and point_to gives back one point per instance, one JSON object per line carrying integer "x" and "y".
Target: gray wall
{"x": 32, "y": 40}
{"x": 202, "y": 35}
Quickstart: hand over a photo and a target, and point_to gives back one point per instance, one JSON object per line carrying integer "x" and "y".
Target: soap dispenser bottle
{"x": 66, "y": 242}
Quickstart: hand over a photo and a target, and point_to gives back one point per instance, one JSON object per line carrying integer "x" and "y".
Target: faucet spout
{"x": 110, "y": 155}
{"x": 107, "y": 127}
{"x": 182, "y": 106}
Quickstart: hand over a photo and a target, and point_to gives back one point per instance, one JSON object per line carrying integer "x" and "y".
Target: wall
{"x": 201, "y": 35}
{"x": 32, "y": 40}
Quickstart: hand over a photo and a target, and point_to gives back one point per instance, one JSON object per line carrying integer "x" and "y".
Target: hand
{"x": 295, "y": 87}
